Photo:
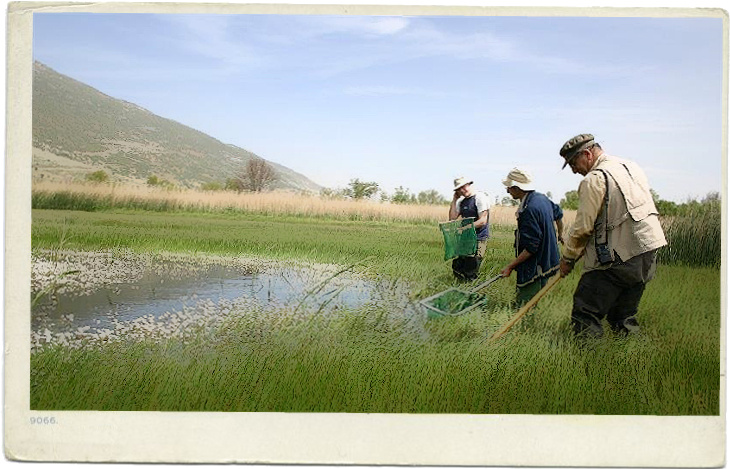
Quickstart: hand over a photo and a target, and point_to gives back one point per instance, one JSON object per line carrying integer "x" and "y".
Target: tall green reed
{"x": 694, "y": 238}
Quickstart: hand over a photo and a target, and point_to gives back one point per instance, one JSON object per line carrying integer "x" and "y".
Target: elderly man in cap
{"x": 617, "y": 229}
{"x": 536, "y": 240}
{"x": 469, "y": 203}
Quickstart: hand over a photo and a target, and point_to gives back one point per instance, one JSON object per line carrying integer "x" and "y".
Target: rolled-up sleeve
{"x": 557, "y": 211}
{"x": 590, "y": 201}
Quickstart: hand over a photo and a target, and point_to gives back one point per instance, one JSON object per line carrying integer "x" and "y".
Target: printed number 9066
{"x": 43, "y": 420}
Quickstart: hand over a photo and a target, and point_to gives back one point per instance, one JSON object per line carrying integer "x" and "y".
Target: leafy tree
{"x": 509, "y": 202}
{"x": 654, "y": 196}
{"x": 431, "y": 197}
{"x": 233, "y": 184}
{"x": 158, "y": 182}
{"x": 710, "y": 204}
{"x": 549, "y": 195}
{"x": 328, "y": 193}
{"x": 403, "y": 196}
{"x": 570, "y": 202}
{"x": 666, "y": 207}
{"x": 98, "y": 176}
{"x": 712, "y": 197}
{"x": 361, "y": 189}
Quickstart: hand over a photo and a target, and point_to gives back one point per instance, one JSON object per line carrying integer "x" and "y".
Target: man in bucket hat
{"x": 536, "y": 241}
{"x": 617, "y": 230}
{"x": 467, "y": 203}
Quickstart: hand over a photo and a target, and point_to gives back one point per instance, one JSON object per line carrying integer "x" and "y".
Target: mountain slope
{"x": 76, "y": 123}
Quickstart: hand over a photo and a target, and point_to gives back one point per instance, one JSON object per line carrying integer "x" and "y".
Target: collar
{"x": 523, "y": 202}
{"x": 599, "y": 160}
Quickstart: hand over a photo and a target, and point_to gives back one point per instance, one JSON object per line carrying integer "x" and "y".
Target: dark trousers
{"x": 613, "y": 294}
{"x": 467, "y": 267}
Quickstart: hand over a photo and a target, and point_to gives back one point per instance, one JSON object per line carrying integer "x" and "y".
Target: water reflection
{"x": 167, "y": 288}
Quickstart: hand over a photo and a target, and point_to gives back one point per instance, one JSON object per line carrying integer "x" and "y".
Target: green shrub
{"x": 98, "y": 176}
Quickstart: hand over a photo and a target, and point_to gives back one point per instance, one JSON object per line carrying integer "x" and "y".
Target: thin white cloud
{"x": 355, "y": 25}
{"x": 211, "y": 36}
{"x": 386, "y": 40}
{"x": 425, "y": 40}
{"x": 388, "y": 26}
{"x": 415, "y": 38}
{"x": 375, "y": 90}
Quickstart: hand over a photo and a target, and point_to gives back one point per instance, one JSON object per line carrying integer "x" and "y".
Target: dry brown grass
{"x": 271, "y": 202}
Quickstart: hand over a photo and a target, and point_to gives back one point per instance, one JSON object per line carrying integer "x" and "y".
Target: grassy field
{"x": 377, "y": 359}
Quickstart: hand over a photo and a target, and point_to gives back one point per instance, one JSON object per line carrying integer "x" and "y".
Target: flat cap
{"x": 574, "y": 145}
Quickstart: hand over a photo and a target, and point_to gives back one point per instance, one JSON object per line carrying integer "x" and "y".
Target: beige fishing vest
{"x": 633, "y": 221}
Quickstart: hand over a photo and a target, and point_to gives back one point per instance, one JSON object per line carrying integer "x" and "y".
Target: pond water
{"x": 168, "y": 288}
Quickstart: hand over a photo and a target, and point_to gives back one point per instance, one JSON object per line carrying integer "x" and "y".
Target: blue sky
{"x": 416, "y": 101}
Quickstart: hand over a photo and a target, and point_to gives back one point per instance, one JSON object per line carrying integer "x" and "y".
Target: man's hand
{"x": 456, "y": 196}
{"x": 506, "y": 272}
{"x": 566, "y": 266}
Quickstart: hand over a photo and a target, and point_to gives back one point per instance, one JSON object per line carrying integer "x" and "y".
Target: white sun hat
{"x": 520, "y": 178}
{"x": 461, "y": 182}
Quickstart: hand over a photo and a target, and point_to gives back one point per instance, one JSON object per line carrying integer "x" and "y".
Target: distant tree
{"x": 329, "y": 193}
{"x": 361, "y": 190}
{"x": 98, "y": 176}
{"x": 570, "y": 202}
{"x": 431, "y": 197}
{"x": 664, "y": 207}
{"x": 712, "y": 197}
{"x": 234, "y": 184}
{"x": 153, "y": 180}
{"x": 403, "y": 196}
{"x": 549, "y": 195}
{"x": 654, "y": 195}
{"x": 258, "y": 175}
{"x": 509, "y": 202}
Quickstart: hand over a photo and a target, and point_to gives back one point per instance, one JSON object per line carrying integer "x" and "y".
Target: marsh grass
{"x": 694, "y": 238}
{"x": 379, "y": 358}
{"x": 376, "y": 360}
{"x": 104, "y": 197}
{"x": 402, "y": 250}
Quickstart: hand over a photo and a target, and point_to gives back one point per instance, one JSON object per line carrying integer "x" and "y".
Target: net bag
{"x": 460, "y": 238}
{"x": 452, "y": 302}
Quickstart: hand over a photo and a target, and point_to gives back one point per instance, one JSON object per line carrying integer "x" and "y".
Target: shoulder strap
{"x": 601, "y": 235}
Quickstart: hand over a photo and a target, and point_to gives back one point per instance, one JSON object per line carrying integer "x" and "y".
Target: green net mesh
{"x": 460, "y": 238}
{"x": 453, "y": 301}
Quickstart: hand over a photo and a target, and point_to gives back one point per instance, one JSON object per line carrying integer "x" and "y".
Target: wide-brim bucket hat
{"x": 520, "y": 178}
{"x": 461, "y": 182}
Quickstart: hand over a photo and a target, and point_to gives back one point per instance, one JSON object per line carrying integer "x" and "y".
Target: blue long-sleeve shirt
{"x": 536, "y": 234}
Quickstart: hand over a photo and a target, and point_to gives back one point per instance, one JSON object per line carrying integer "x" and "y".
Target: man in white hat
{"x": 536, "y": 239}
{"x": 469, "y": 203}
